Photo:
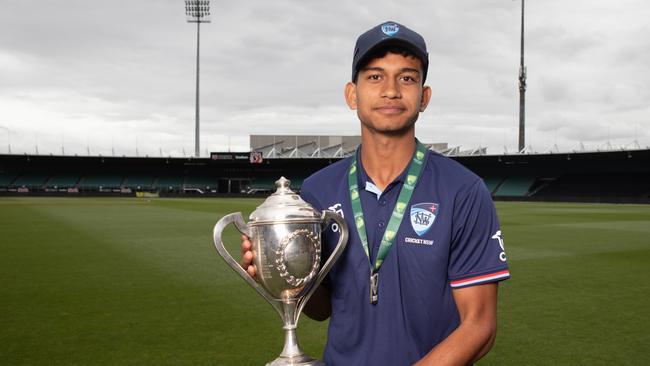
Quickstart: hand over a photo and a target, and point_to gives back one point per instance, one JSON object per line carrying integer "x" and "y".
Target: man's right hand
{"x": 247, "y": 256}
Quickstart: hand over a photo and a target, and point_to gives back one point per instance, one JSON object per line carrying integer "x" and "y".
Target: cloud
{"x": 555, "y": 90}
{"x": 88, "y": 72}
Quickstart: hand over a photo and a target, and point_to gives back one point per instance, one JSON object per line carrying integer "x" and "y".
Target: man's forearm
{"x": 474, "y": 337}
{"x": 468, "y": 343}
{"x": 319, "y": 306}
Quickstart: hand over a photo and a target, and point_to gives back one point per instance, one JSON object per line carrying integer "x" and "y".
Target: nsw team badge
{"x": 422, "y": 216}
{"x": 390, "y": 29}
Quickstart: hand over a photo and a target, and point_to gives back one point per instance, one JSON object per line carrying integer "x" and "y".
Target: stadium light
{"x": 522, "y": 88}
{"x": 197, "y": 11}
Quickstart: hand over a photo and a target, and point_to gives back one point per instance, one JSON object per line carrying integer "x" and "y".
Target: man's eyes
{"x": 404, "y": 78}
{"x": 409, "y": 79}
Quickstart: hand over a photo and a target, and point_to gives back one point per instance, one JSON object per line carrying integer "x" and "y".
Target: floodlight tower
{"x": 197, "y": 11}
{"x": 522, "y": 88}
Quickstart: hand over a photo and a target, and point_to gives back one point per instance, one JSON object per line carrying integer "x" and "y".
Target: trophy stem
{"x": 291, "y": 346}
{"x": 291, "y": 354}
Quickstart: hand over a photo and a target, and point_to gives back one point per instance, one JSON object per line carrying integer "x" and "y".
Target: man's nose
{"x": 391, "y": 89}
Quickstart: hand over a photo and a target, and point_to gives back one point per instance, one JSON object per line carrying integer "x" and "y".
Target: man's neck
{"x": 384, "y": 157}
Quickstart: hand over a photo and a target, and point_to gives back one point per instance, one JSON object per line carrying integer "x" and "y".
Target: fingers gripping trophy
{"x": 285, "y": 233}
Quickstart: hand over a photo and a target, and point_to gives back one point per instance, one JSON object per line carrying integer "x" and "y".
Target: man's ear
{"x": 351, "y": 95}
{"x": 426, "y": 97}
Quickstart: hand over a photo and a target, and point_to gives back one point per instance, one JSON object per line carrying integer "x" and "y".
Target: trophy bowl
{"x": 285, "y": 232}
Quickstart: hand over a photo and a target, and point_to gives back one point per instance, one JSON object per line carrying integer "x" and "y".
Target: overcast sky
{"x": 113, "y": 75}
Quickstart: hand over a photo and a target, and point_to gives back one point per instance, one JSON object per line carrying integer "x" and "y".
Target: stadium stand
{"x": 139, "y": 182}
{"x": 297, "y": 182}
{"x": 200, "y": 182}
{"x": 101, "y": 181}
{"x": 6, "y": 179}
{"x": 267, "y": 184}
{"x": 31, "y": 180}
{"x": 599, "y": 185}
{"x": 168, "y": 183}
{"x": 610, "y": 176}
{"x": 63, "y": 180}
{"x": 514, "y": 187}
{"x": 263, "y": 184}
{"x": 492, "y": 183}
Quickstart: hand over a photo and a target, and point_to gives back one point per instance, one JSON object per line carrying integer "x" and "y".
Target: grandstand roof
{"x": 312, "y": 146}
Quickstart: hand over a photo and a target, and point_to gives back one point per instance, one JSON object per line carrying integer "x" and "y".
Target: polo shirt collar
{"x": 363, "y": 180}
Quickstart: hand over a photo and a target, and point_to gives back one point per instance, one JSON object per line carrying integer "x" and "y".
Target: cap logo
{"x": 390, "y": 29}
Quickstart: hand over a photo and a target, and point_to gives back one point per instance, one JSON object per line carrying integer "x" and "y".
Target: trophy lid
{"x": 284, "y": 205}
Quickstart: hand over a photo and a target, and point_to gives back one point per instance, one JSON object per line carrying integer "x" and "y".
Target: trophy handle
{"x": 238, "y": 220}
{"x": 338, "y": 250}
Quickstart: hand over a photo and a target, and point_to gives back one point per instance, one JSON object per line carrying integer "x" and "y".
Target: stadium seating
{"x": 139, "y": 181}
{"x": 262, "y": 184}
{"x": 6, "y": 179}
{"x": 31, "y": 180}
{"x": 598, "y": 185}
{"x": 63, "y": 180}
{"x": 613, "y": 176}
{"x": 200, "y": 182}
{"x": 296, "y": 182}
{"x": 168, "y": 183}
{"x": 268, "y": 183}
{"x": 492, "y": 183}
{"x": 515, "y": 186}
{"x": 101, "y": 180}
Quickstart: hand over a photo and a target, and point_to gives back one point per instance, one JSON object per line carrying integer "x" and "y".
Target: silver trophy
{"x": 285, "y": 232}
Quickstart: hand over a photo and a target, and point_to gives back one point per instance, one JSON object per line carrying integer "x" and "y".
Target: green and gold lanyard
{"x": 390, "y": 235}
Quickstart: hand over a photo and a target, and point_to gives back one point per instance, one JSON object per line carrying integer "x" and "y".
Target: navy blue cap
{"x": 385, "y": 35}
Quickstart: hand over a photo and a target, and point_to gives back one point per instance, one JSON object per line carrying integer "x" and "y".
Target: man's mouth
{"x": 390, "y": 109}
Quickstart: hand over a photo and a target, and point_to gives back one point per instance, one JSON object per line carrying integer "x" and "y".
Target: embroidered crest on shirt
{"x": 422, "y": 216}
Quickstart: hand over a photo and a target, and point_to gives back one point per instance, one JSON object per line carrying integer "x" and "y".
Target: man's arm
{"x": 477, "y": 306}
{"x": 319, "y": 306}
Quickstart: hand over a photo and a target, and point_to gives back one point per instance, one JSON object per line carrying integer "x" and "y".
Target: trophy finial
{"x": 282, "y": 183}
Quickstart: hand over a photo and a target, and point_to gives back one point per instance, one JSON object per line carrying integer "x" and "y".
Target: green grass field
{"x": 106, "y": 281}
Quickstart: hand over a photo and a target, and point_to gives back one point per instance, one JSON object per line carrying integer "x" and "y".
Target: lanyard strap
{"x": 390, "y": 234}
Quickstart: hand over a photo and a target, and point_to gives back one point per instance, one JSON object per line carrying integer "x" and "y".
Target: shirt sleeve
{"x": 307, "y": 196}
{"x": 477, "y": 253}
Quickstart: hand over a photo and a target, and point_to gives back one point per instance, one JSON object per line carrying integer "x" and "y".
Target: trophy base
{"x": 302, "y": 360}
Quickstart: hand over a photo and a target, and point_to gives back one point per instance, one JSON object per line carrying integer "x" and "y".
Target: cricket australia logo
{"x": 422, "y": 216}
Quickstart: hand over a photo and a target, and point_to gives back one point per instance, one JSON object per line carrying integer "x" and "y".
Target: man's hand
{"x": 247, "y": 256}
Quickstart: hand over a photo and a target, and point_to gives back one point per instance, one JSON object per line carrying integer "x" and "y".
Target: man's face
{"x": 388, "y": 95}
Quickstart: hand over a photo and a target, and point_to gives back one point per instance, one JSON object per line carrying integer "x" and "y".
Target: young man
{"x": 417, "y": 281}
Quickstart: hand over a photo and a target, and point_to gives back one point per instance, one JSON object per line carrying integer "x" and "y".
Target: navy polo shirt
{"x": 449, "y": 238}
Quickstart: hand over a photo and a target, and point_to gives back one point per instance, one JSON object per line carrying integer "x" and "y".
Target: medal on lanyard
{"x": 390, "y": 235}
